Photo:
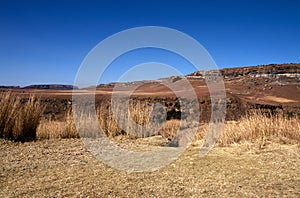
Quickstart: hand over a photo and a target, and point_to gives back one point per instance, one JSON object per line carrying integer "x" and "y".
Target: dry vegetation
{"x": 262, "y": 128}
{"x": 59, "y": 165}
{"x": 256, "y": 127}
{"x": 51, "y": 129}
{"x": 20, "y": 121}
{"x": 64, "y": 168}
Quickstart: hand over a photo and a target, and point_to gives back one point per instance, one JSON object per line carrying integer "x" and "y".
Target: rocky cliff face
{"x": 279, "y": 71}
{"x": 273, "y": 88}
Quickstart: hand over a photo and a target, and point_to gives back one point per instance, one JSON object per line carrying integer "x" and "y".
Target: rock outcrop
{"x": 279, "y": 71}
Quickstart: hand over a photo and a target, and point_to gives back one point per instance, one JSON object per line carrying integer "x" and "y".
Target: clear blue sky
{"x": 46, "y": 41}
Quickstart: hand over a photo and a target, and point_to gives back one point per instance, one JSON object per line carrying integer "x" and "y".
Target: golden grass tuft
{"x": 129, "y": 122}
{"x": 261, "y": 128}
{"x": 107, "y": 121}
{"x": 50, "y": 129}
{"x": 19, "y": 119}
{"x": 169, "y": 129}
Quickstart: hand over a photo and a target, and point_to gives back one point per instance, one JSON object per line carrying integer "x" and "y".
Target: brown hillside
{"x": 272, "y": 87}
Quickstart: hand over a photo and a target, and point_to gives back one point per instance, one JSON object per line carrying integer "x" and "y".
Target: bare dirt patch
{"x": 64, "y": 168}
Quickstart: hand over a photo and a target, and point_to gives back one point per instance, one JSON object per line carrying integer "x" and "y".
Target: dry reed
{"x": 19, "y": 119}
{"x": 51, "y": 129}
{"x": 261, "y": 128}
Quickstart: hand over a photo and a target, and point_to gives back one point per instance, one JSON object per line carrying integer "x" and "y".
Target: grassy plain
{"x": 256, "y": 156}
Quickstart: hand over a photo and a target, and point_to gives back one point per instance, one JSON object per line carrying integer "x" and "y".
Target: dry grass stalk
{"x": 19, "y": 120}
{"x": 118, "y": 120}
{"x": 258, "y": 127}
{"x": 255, "y": 127}
{"x": 169, "y": 129}
{"x": 49, "y": 129}
{"x": 131, "y": 123}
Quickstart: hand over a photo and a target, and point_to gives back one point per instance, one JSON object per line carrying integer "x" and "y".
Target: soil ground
{"x": 64, "y": 168}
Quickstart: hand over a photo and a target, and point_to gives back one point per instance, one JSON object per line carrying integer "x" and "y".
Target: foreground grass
{"x": 259, "y": 128}
{"x": 20, "y": 121}
{"x": 19, "y": 118}
{"x": 64, "y": 168}
{"x": 256, "y": 127}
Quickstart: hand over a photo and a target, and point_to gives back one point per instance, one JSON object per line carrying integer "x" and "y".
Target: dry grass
{"x": 65, "y": 168}
{"x": 19, "y": 119}
{"x": 256, "y": 127}
{"x": 170, "y": 129}
{"x": 135, "y": 121}
{"x": 139, "y": 115}
{"x": 107, "y": 121}
{"x": 261, "y": 128}
{"x": 49, "y": 129}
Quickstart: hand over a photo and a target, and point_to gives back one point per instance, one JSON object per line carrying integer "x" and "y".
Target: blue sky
{"x": 46, "y": 41}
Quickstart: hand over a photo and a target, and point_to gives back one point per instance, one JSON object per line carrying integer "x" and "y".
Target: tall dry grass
{"x": 256, "y": 127}
{"x": 118, "y": 120}
{"x": 113, "y": 122}
{"x": 19, "y": 119}
{"x": 169, "y": 129}
{"x": 261, "y": 128}
{"x": 51, "y": 129}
